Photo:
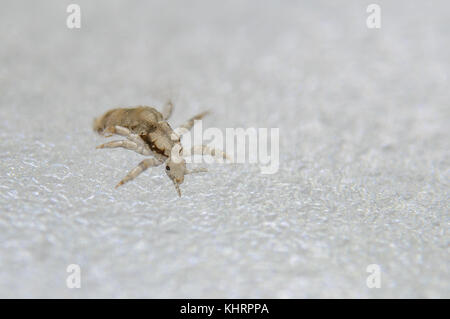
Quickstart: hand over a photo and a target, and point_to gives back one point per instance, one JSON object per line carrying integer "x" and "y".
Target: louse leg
{"x": 167, "y": 111}
{"x": 196, "y": 170}
{"x": 190, "y": 123}
{"x": 122, "y": 131}
{"x": 141, "y": 146}
{"x": 206, "y": 150}
{"x": 129, "y": 145}
{"x": 149, "y": 162}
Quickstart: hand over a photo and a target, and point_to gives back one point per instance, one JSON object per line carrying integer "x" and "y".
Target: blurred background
{"x": 364, "y": 149}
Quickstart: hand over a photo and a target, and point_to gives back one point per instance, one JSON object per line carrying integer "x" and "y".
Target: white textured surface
{"x": 364, "y": 177}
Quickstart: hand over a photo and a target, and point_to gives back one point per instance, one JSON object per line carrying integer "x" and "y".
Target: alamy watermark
{"x": 73, "y": 20}
{"x": 374, "y": 279}
{"x": 252, "y": 145}
{"x": 74, "y": 279}
{"x": 373, "y": 21}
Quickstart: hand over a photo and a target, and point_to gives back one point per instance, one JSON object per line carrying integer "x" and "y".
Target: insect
{"x": 147, "y": 132}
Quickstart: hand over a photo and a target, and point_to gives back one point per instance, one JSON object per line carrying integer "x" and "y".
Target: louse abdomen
{"x": 139, "y": 119}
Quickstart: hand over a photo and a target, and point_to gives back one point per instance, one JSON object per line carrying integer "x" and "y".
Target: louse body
{"x": 144, "y": 121}
{"x": 148, "y": 133}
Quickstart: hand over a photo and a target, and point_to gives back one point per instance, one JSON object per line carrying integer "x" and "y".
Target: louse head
{"x": 176, "y": 169}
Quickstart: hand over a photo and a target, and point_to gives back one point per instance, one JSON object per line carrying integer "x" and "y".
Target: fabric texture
{"x": 363, "y": 120}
